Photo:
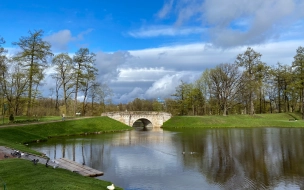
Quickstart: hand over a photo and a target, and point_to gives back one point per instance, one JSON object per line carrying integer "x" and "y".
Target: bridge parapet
{"x": 130, "y": 117}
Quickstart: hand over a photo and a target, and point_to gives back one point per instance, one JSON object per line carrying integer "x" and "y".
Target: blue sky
{"x": 145, "y": 48}
{"x": 103, "y": 25}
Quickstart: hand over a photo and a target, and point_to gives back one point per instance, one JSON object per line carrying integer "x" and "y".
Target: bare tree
{"x": 100, "y": 93}
{"x": 83, "y": 60}
{"x": 225, "y": 82}
{"x": 88, "y": 82}
{"x": 14, "y": 84}
{"x": 64, "y": 76}
{"x": 33, "y": 57}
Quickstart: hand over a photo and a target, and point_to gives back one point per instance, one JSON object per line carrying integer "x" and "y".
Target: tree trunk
{"x": 29, "y": 102}
{"x": 65, "y": 98}
{"x": 76, "y": 91}
{"x": 251, "y": 107}
{"x": 225, "y": 110}
{"x": 193, "y": 109}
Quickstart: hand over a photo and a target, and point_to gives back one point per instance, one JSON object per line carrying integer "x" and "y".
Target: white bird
{"x": 111, "y": 187}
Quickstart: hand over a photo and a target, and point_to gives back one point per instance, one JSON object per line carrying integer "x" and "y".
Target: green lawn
{"x": 16, "y": 137}
{"x": 258, "y": 120}
{"x": 5, "y": 120}
{"x": 23, "y": 174}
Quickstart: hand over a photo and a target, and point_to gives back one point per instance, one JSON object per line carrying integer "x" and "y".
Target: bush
{"x": 11, "y": 118}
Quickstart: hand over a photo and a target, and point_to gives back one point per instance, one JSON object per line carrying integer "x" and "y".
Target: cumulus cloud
{"x": 61, "y": 39}
{"x": 166, "y": 86}
{"x": 142, "y": 74}
{"x": 238, "y": 22}
{"x": 127, "y": 97}
{"x": 155, "y": 72}
{"x": 108, "y": 64}
{"x": 189, "y": 57}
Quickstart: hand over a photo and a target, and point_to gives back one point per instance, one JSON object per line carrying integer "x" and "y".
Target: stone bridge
{"x": 139, "y": 118}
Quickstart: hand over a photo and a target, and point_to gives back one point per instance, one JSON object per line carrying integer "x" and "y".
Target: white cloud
{"x": 142, "y": 74}
{"x": 166, "y": 9}
{"x": 61, "y": 39}
{"x": 127, "y": 97}
{"x": 108, "y": 64}
{"x": 166, "y": 86}
{"x": 238, "y": 22}
{"x": 188, "y": 57}
{"x": 156, "y": 31}
{"x": 155, "y": 72}
{"x": 82, "y": 34}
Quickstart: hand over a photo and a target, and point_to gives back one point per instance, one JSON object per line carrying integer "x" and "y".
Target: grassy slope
{"x": 259, "y": 120}
{"x": 22, "y": 174}
{"x": 15, "y": 137}
{"x": 5, "y": 121}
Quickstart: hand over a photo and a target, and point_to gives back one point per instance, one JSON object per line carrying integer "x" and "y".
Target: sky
{"x": 144, "y": 49}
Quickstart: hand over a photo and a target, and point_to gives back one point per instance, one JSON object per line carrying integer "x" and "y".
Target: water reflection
{"x": 260, "y": 158}
{"x": 249, "y": 158}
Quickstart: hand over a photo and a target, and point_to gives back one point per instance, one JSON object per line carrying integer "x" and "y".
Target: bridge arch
{"x": 145, "y": 117}
{"x": 142, "y": 122}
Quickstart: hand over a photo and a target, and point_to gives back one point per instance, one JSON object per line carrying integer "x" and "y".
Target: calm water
{"x": 258, "y": 158}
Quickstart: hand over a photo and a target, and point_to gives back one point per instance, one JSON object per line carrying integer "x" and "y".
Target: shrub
{"x": 11, "y": 118}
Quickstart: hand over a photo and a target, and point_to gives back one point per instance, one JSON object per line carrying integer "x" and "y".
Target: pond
{"x": 156, "y": 159}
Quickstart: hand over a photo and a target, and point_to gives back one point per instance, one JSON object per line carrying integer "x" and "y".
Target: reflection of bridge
{"x": 140, "y": 118}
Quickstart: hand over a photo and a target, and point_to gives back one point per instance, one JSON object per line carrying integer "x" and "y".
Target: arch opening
{"x": 142, "y": 124}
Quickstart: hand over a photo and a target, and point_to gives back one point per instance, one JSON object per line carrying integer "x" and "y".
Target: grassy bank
{"x": 23, "y": 119}
{"x": 22, "y": 174}
{"x": 16, "y": 137}
{"x": 259, "y": 120}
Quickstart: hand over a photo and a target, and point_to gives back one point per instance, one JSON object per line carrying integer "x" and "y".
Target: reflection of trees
{"x": 89, "y": 151}
{"x": 259, "y": 158}
{"x": 247, "y": 158}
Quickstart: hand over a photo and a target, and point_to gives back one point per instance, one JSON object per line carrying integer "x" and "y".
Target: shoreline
{"x": 233, "y": 121}
{"x": 15, "y": 138}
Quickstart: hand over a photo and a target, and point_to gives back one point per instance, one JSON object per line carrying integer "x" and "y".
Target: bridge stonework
{"x": 130, "y": 117}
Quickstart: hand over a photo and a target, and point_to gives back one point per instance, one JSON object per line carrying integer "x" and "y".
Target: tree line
{"x": 246, "y": 86}
{"x": 22, "y": 74}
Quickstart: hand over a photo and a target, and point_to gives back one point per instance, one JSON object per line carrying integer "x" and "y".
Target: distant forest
{"x": 247, "y": 86}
